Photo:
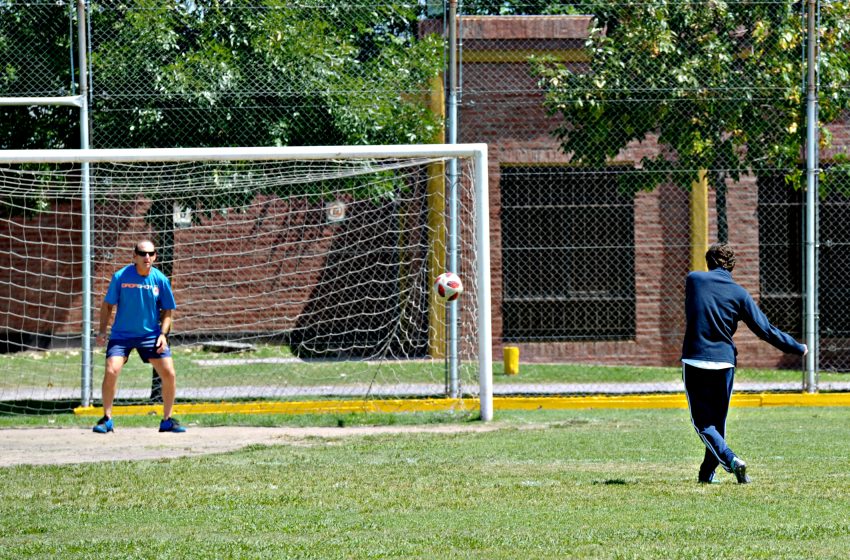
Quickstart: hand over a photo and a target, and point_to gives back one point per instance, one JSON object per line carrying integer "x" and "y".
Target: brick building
{"x": 611, "y": 289}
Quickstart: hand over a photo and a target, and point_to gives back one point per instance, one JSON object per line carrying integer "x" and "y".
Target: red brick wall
{"x": 41, "y": 260}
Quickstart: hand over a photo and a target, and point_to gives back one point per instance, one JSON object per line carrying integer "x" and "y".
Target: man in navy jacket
{"x": 714, "y": 305}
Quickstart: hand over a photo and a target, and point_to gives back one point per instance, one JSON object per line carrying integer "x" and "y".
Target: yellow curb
{"x": 806, "y": 399}
{"x": 678, "y": 400}
{"x": 293, "y": 407}
{"x": 599, "y": 401}
{"x": 741, "y": 400}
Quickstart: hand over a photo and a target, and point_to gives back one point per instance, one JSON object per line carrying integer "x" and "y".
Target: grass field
{"x": 197, "y": 368}
{"x": 567, "y": 484}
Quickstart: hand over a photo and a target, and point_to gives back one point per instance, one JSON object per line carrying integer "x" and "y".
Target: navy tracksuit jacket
{"x": 714, "y": 305}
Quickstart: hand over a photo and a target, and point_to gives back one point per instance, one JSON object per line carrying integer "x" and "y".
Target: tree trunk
{"x": 699, "y": 221}
{"x": 720, "y": 204}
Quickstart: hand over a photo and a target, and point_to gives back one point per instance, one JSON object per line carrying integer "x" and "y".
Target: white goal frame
{"x": 476, "y": 152}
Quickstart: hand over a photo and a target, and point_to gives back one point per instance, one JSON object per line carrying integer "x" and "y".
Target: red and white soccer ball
{"x": 448, "y": 286}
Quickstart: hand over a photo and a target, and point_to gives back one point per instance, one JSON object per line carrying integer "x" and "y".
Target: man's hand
{"x": 161, "y": 344}
{"x": 101, "y": 339}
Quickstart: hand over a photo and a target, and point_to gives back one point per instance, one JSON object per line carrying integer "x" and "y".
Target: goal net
{"x": 300, "y": 274}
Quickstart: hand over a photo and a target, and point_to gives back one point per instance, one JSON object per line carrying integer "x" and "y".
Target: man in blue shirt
{"x": 145, "y": 302}
{"x": 714, "y": 305}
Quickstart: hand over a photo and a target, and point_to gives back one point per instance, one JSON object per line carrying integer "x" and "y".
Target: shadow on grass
{"x": 37, "y": 407}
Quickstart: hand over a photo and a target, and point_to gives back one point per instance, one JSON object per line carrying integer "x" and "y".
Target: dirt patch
{"x": 56, "y": 446}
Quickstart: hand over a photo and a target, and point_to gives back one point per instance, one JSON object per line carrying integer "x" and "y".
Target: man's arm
{"x": 758, "y": 322}
{"x": 164, "y": 328}
{"x": 105, "y": 317}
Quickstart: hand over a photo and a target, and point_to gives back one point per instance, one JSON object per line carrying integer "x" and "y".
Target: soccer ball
{"x": 448, "y": 286}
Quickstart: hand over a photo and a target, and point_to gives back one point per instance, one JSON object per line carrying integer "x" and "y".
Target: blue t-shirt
{"x": 139, "y": 300}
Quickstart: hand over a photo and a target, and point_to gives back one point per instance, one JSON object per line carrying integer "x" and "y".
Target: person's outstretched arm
{"x": 758, "y": 322}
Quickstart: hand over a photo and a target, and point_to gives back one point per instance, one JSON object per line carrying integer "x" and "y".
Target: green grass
{"x": 62, "y": 369}
{"x": 567, "y": 484}
{"x": 583, "y": 373}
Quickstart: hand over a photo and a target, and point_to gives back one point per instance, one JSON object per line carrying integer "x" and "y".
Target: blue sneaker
{"x": 104, "y": 426}
{"x": 171, "y": 425}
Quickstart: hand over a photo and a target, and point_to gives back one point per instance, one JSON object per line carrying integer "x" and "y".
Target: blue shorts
{"x": 146, "y": 347}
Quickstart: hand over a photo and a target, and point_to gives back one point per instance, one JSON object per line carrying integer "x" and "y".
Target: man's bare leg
{"x": 110, "y": 382}
{"x": 165, "y": 368}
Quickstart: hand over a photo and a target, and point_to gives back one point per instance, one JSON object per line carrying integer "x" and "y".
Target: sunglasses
{"x": 146, "y": 253}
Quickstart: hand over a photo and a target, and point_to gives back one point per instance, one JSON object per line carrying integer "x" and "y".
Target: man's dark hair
{"x": 720, "y": 255}
{"x": 140, "y": 242}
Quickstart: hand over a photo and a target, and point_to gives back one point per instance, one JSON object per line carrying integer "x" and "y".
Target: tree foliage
{"x": 719, "y": 84}
{"x": 275, "y": 72}
{"x": 36, "y": 50}
{"x": 517, "y": 7}
{"x": 222, "y": 72}
{"x": 198, "y": 73}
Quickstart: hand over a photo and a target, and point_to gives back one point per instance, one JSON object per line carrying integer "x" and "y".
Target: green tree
{"x": 249, "y": 73}
{"x": 36, "y": 50}
{"x": 261, "y": 73}
{"x": 719, "y": 85}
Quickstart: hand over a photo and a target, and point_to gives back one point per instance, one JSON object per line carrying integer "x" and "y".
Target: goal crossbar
{"x": 244, "y": 153}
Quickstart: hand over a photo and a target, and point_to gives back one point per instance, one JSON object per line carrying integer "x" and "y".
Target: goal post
{"x": 327, "y": 252}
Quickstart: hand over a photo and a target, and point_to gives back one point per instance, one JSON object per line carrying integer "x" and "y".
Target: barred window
{"x": 567, "y": 254}
{"x": 834, "y": 258}
{"x": 780, "y": 215}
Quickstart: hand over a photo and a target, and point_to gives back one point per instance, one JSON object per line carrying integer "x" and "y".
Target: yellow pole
{"x": 436, "y": 192}
{"x": 699, "y": 221}
{"x": 511, "y": 360}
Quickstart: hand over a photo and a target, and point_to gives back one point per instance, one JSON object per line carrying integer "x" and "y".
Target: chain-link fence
{"x": 627, "y": 136}
{"x": 261, "y": 73}
{"x": 38, "y": 58}
{"x": 624, "y": 136}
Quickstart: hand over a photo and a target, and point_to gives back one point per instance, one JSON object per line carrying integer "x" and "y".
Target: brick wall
{"x": 41, "y": 259}
{"x": 275, "y": 268}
